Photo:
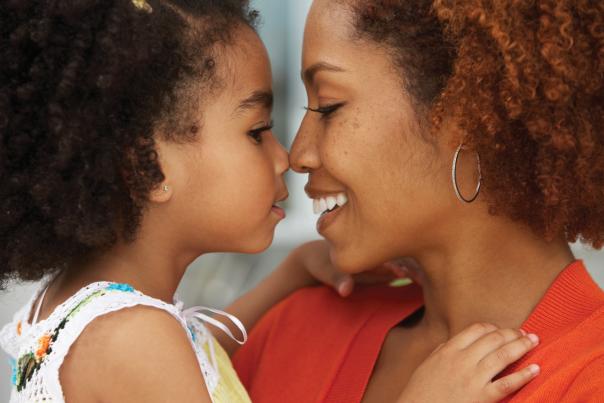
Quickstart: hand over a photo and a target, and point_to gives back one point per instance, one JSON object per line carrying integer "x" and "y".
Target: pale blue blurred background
{"x": 215, "y": 280}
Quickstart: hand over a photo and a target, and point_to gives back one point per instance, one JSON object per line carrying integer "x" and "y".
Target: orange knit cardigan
{"x": 317, "y": 347}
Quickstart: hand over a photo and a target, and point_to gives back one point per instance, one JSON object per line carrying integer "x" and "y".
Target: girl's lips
{"x": 327, "y": 219}
{"x": 280, "y": 212}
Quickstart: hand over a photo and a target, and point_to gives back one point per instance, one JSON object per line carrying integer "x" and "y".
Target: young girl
{"x": 136, "y": 136}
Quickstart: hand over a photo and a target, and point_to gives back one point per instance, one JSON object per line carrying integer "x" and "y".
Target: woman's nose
{"x": 304, "y": 155}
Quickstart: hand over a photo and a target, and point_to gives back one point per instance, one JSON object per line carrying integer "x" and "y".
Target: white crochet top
{"x": 37, "y": 350}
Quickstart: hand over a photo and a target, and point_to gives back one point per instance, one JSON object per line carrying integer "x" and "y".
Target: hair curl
{"x": 524, "y": 81}
{"x": 83, "y": 87}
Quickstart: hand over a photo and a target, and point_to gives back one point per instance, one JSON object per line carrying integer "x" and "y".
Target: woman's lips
{"x": 327, "y": 219}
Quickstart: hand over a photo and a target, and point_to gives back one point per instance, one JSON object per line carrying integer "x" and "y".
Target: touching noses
{"x": 281, "y": 159}
{"x": 304, "y": 156}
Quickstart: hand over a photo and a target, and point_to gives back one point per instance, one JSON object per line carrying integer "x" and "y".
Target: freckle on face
{"x": 370, "y": 148}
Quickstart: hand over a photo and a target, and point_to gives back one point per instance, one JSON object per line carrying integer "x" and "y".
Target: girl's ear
{"x": 167, "y": 160}
{"x": 162, "y": 194}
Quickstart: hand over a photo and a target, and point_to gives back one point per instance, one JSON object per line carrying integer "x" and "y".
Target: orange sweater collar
{"x": 571, "y": 299}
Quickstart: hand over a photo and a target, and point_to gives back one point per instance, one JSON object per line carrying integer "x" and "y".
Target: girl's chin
{"x": 259, "y": 246}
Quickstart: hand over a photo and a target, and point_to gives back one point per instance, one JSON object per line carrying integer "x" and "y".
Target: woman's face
{"x": 360, "y": 140}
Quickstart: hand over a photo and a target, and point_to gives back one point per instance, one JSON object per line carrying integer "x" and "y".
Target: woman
{"x": 467, "y": 135}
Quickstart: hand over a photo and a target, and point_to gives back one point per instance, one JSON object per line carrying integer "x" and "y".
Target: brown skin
{"x": 221, "y": 189}
{"x": 116, "y": 356}
{"x": 401, "y": 201}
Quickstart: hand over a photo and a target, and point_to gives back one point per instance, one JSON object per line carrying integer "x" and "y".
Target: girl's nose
{"x": 281, "y": 160}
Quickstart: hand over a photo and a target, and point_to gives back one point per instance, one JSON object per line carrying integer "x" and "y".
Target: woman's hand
{"x": 463, "y": 369}
{"x": 313, "y": 258}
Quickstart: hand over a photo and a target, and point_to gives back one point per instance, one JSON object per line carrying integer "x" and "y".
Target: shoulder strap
{"x": 11, "y": 333}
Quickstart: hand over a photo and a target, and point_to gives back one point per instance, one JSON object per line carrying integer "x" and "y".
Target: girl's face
{"x": 223, "y": 188}
{"x": 360, "y": 140}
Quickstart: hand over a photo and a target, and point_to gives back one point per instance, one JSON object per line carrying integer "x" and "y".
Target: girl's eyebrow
{"x": 260, "y": 98}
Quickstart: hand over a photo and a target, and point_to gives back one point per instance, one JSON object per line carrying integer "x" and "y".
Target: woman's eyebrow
{"x": 260, "y": 98}
{"x": 308, "y": 75}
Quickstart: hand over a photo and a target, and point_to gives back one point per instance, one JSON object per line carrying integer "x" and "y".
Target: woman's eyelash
{"x": 256, "y": 134}
{"x": 325, "y": 111}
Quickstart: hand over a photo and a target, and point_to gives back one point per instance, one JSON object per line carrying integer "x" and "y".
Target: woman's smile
{"x": 326, "y": 203}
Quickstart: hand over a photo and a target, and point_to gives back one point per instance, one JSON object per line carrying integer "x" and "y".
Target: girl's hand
{"x": 313, "y": 258}
{"x": 306, "y": 265}
{"x": 463, "y": 369}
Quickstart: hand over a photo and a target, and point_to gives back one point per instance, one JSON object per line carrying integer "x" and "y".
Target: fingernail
{"x": 524, "y": 333}
{"x": 344, "y": 288}
{"x": 533, "y": 338}
{"x": 534, "y": 369}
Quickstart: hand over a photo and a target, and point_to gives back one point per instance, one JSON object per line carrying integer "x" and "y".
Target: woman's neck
{"x": 495, "y": 273}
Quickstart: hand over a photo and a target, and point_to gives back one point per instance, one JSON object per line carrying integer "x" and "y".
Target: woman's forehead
{"x": 329, "y": 18}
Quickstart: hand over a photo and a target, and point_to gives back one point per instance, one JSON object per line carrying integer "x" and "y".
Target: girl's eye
{"x": 256, "y": 134}
{"x": 327, "y": 110}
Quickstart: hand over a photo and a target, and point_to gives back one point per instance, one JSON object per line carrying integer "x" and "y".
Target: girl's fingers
{"x": 502, "y": 388}
{"x": 373, "y": 278}
{"x": 344, "y": 286}
{"x": 499, "y": 359}
{"x": 395, "y": 269}
{"x": 493, "y": 341}
{"x": 469, "y": 335}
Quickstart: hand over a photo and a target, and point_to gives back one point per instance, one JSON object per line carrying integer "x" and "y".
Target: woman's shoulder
{"x": 321, "y": 306}
{"x": 322, "y": 302}
{"x": 571, "y": 366}
{"x": 320, "y": 323}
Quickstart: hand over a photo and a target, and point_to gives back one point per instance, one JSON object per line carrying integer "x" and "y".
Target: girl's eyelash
{"x": 256, "y": 134}
{"x": 325, "y": 111}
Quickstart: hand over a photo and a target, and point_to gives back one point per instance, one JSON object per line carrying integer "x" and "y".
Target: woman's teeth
{"x": 329, "y": 203}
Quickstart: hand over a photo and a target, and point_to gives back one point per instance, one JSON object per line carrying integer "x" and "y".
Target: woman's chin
{"x": 350, "y": 261}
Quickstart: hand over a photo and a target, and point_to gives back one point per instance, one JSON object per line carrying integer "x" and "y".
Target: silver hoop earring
{"x": 454, "y": 177}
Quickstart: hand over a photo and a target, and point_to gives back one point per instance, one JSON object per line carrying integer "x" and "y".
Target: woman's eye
{"x": 256, "y": 134}
{"x": 326, "y": 110}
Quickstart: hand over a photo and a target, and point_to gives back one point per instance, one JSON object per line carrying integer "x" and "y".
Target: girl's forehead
{"x": 246, "y": 68}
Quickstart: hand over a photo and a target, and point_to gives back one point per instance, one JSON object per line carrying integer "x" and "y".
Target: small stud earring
{"x": 166, "y": 188}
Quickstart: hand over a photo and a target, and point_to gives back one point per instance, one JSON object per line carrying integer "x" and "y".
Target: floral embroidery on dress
{"x": 13, "y": 367}
{"x": 120, "y": 287}
{"x": 30, "y": 362}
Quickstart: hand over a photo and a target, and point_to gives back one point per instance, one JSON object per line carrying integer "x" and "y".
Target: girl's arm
{"x": 305, "y": 266}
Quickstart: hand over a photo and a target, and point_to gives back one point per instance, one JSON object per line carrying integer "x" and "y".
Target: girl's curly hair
{"x": 524, "y": 80}
{"x": 84, "y": 85}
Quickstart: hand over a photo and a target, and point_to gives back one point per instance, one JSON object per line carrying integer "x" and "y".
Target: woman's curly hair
{"x": 524, "y": 81}
{"x": 84, "y": 85}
